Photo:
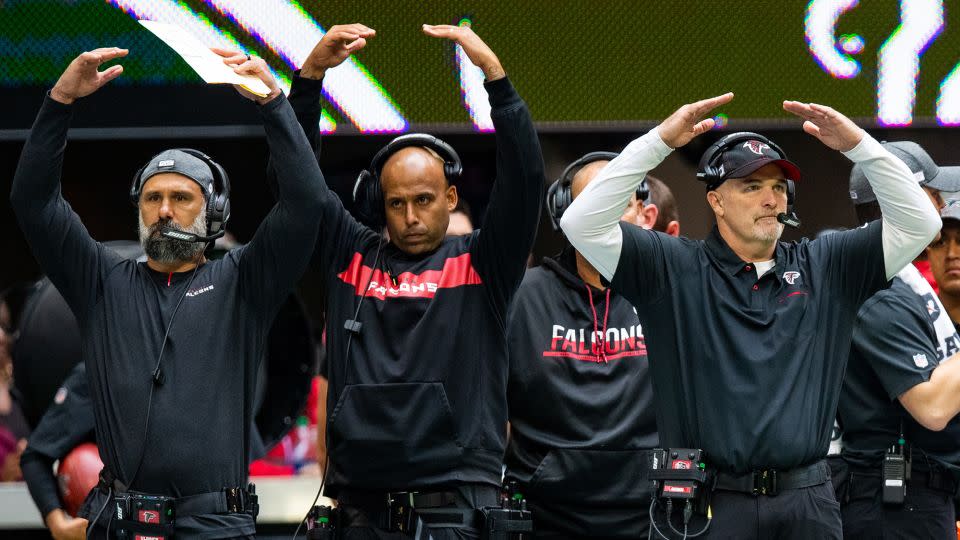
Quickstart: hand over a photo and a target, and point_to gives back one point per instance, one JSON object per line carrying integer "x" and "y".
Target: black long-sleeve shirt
{"x": 421, "y": 400}
{"x": 200, "y": 416}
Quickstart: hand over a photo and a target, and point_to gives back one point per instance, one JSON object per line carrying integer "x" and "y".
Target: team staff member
{"x": 416, "y": 352}
{"x": 209, "y": 318}
{"x": 67, "y": 423}
{"x": 579, "y": 347}
{"x": 899, "y": 391}
{"x": 944, "y": 257}
{"x": 742, "y": 329}
{"x": 668, "y": 215}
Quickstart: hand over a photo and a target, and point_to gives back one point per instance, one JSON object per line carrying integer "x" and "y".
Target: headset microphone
{"x": 789, "y": 218}
{"x": 184, "y": 236}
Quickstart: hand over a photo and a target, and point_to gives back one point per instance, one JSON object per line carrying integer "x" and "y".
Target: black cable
{"x": 157, "y": 375}
{"x": 653, "y": 520}
{"x": 323, "y": 481}
{"x": 93, "y": 522}
{"x": 346, "y": 356}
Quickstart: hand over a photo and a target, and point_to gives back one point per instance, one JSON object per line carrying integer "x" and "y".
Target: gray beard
{"x": 167, "y": 250}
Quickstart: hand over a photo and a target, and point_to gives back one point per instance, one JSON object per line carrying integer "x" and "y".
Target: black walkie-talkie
{"x": 895, "y": 474}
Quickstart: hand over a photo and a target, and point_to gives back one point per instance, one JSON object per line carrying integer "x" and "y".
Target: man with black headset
{"x": 416, "y": 352}
{"x": 155, "y": 333}
{"x": 742, "y": 330}
{"x": 576, "y": 345}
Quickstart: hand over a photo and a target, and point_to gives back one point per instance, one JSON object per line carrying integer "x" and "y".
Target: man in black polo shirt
{"x": 899, "y": 399}
{"x": 416, "y": 351}
{"x": 579, "y": 347}
{"x": 742, "y": 329}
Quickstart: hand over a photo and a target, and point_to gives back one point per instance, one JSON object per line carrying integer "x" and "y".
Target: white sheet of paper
{"x": 208, "y": 65}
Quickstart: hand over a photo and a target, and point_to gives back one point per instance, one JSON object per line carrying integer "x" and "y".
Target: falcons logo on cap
{"x": 756, "y": 147}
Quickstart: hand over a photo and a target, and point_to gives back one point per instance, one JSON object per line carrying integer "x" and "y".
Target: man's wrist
{"x": 53, "y": 518}
{"x": 316, "y": 73}
{"x": 60, "y": 97}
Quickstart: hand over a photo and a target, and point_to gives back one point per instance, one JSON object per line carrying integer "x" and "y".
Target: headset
{"x": 368, "y": 192}
{"x": 218, "y": 202}
{"x": 560, "y": 196}
{"x": 711, "y": 173}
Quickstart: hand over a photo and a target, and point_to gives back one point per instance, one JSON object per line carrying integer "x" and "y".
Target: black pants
{"x": 925, "y": 514}
{"x": 810, "y": 513}
{"x": 358, "y": 518}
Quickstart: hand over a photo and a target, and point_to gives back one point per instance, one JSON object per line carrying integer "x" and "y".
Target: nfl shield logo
{"x": 920, "y": 360}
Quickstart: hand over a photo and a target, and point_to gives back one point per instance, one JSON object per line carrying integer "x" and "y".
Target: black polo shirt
{"x": 745, "y": 368}
{"x": 895, "y": 348}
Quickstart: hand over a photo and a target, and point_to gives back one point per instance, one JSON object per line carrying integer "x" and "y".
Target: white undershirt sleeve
{"x": 910, "y": 221}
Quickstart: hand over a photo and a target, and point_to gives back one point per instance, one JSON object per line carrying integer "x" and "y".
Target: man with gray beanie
{"x": 172, "y": 345}
{"x": 900, "y": 462}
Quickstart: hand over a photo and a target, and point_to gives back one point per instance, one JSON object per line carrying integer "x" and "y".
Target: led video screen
{"x": 580, "y": 65}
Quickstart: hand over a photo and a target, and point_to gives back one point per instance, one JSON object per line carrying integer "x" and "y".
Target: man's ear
{"x": 452, "y": 198}
{"x": 715, "y": 200}
{"x": 648, "y": 216}
{"x": 673, "y": 229}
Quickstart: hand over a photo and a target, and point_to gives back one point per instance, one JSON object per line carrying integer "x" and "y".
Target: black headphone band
{"x": 566, "y": 177}
{"x": 452, "y": 167}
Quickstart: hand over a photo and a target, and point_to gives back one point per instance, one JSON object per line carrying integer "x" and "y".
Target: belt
{"x": 232, "y": 500}
{"x": 401, "y": 509}
{"x": 770, "y": 482}
{"x": 867, "y": 483}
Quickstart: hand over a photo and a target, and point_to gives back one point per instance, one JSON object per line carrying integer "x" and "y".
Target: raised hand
{"x": 688, "y": 121}
{"x": 831, "y": 127}
{"x": 244, "y": 64}
{"x": 334, "y": 48}
{"x": 479, "y": 53}
{"x": 83, "y": 77}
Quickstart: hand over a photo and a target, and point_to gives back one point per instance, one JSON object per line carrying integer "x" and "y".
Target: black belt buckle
{"x": 765, "y": 483}
{"x": 400, "y": 512}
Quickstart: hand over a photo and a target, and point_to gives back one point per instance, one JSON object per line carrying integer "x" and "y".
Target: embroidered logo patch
{"x": 60, "y": 396}
{"x": 756, "y": 147}
{"x": 791, "y": 277}
{"x": 920, "y": 360}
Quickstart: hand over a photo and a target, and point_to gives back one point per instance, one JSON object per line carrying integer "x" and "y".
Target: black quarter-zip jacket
{"x": 581, "y": 404}
{"x": 420, "y": 400}
{"x": 200, "y": 417}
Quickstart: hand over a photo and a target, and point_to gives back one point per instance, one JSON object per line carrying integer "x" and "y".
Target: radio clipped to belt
{"x": 679, "y": 478}
{"x": 896, "y": 471}
{"x": 511, "y": 520}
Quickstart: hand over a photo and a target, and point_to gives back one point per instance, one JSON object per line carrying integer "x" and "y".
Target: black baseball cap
{"x": 924, "y": 169}
{"x": 746, "y": 156}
